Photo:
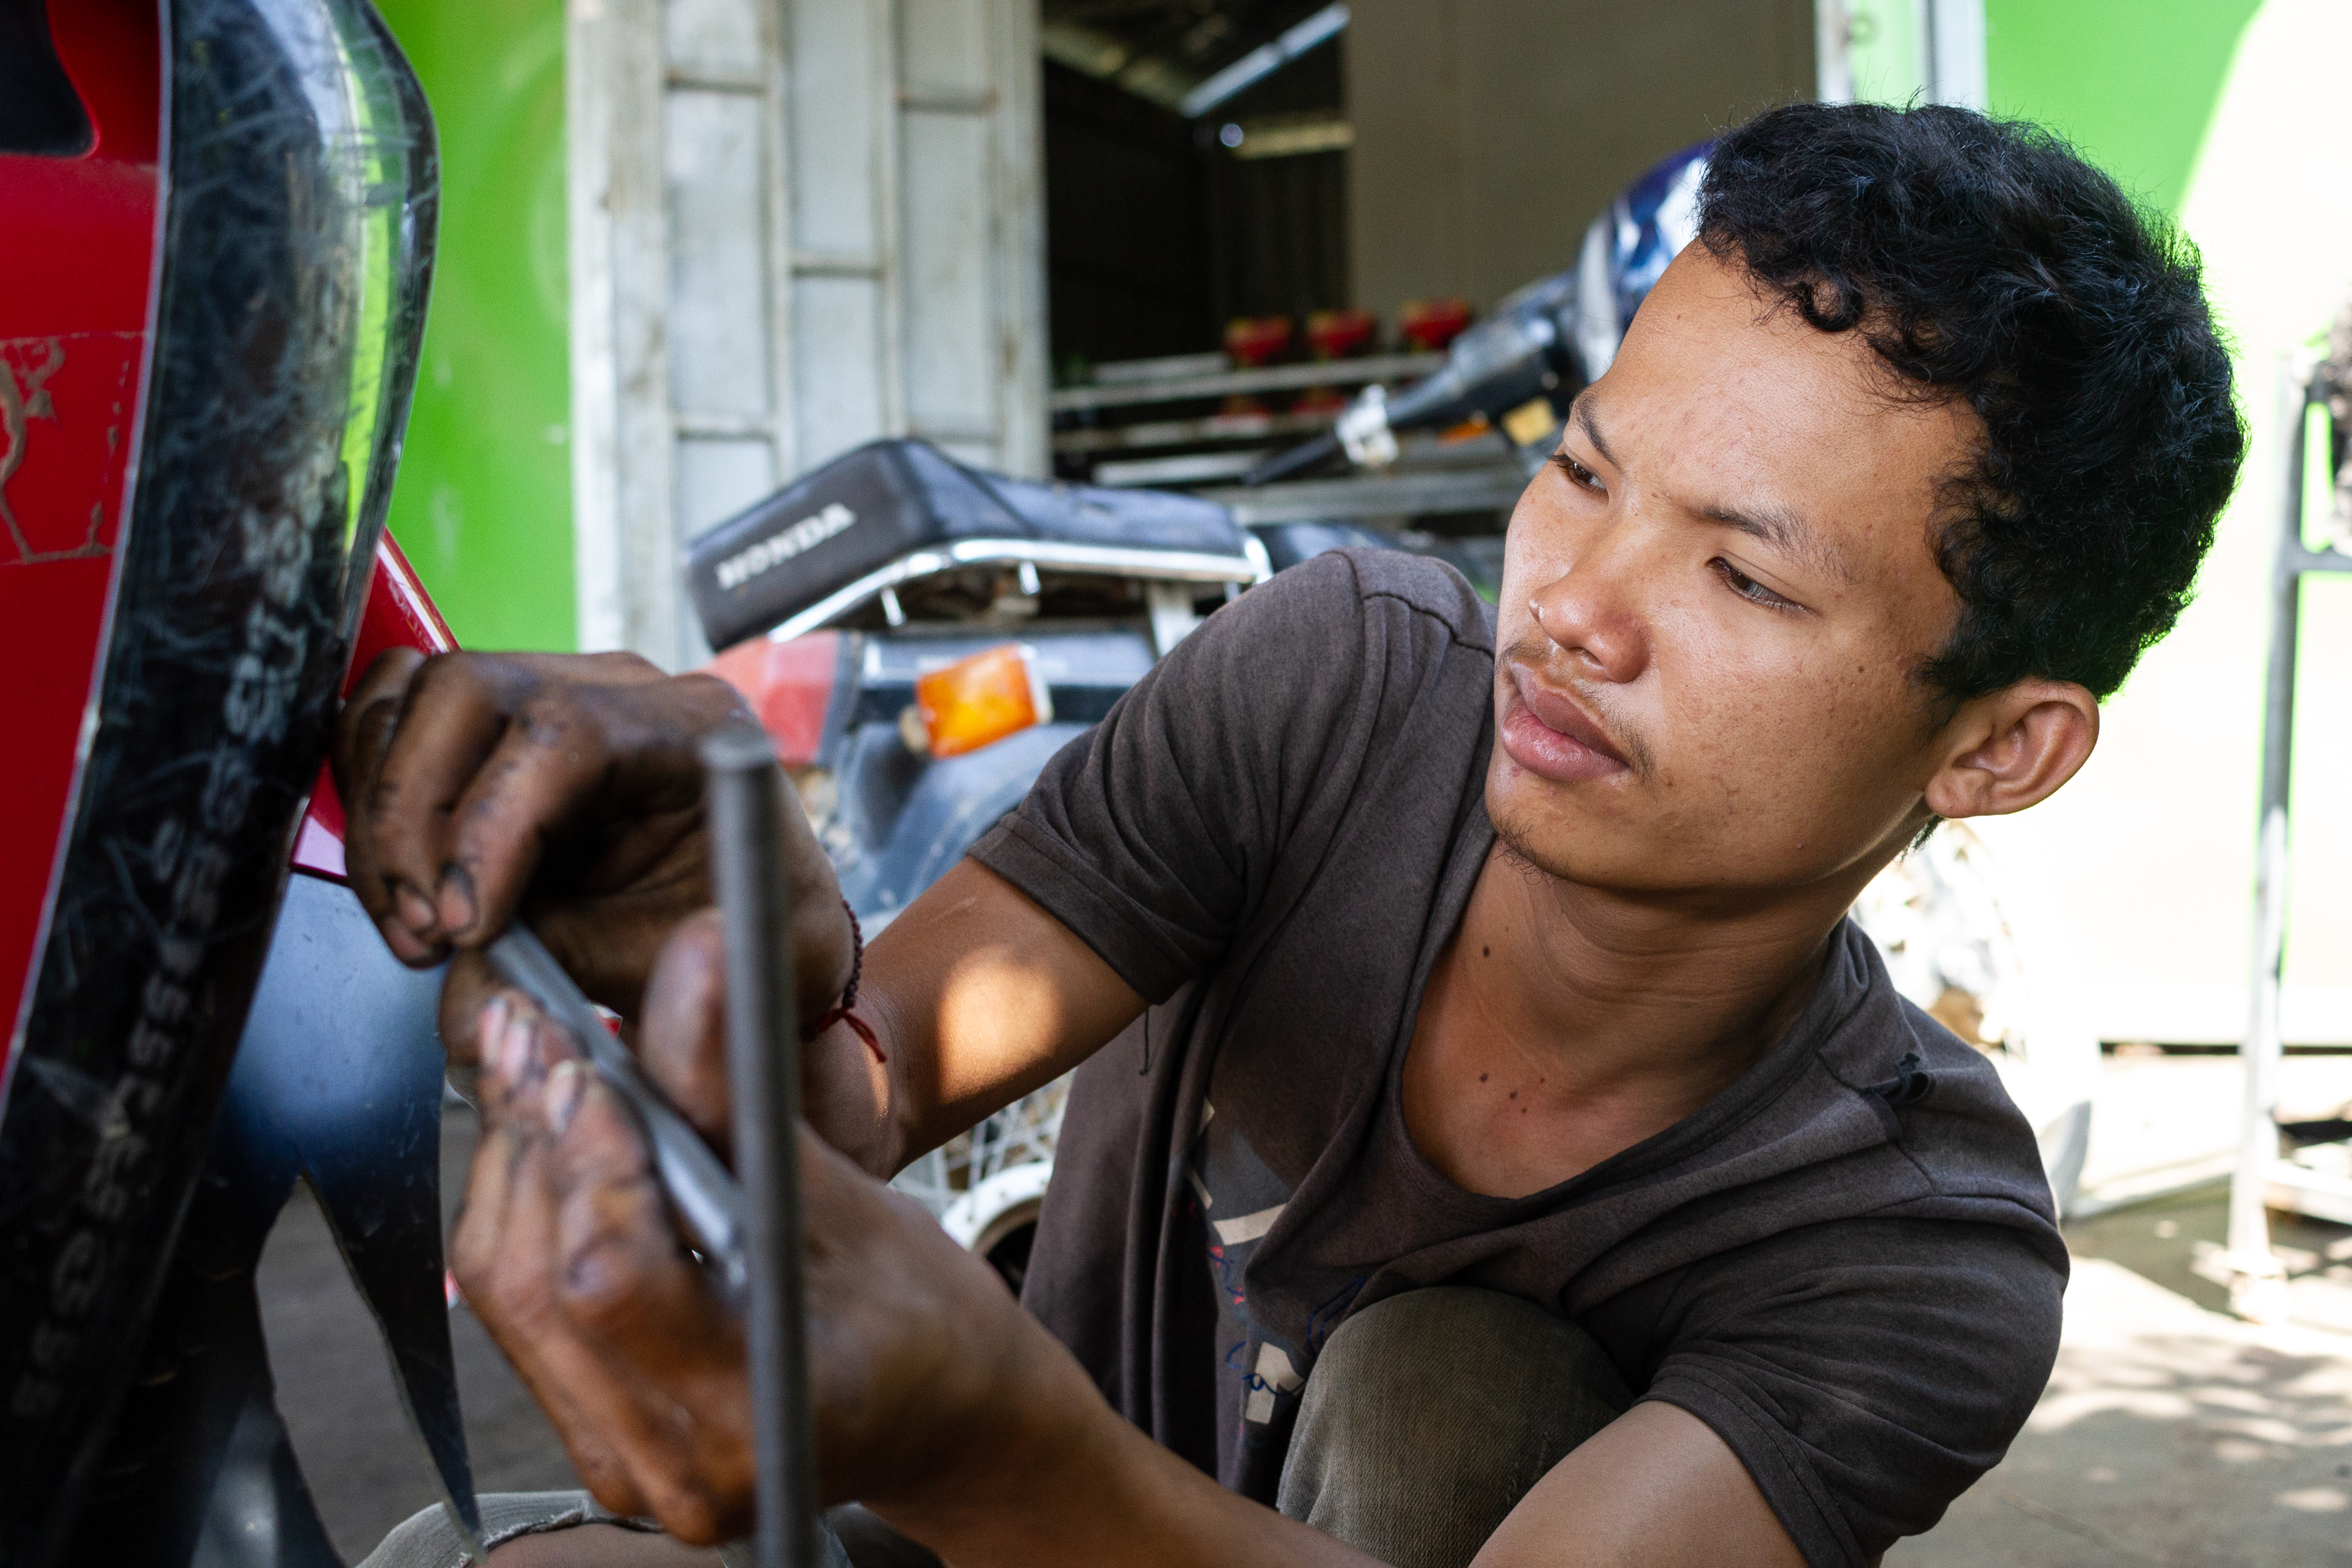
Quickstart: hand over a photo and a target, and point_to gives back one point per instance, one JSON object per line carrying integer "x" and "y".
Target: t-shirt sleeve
{"x": 1866, "y": 1377}
{"x": 1152, "y": 835}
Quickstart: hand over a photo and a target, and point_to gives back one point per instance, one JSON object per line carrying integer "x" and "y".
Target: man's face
{"x": 1712, "y": 603}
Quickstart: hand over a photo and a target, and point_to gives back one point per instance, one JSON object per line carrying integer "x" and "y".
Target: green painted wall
{"x": 2133, "y": 83}
{"x": 483, "y": 506}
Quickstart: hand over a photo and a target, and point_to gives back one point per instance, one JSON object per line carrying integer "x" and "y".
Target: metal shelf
{"x": 1194, "y": 469}
{"x": 1273, "y": 378}
{"x": 1494, "y": 487}
{"x": 1191, "y": 432}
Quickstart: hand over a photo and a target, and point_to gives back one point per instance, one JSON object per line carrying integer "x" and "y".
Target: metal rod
{"x": 746, "y": 799}
{"x": 2257, "y": 1278}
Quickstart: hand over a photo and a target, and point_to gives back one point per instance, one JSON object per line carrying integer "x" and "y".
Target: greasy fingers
{"x": 503, "y": 1250}
{"x": 678, "y": 1410}
{"x": 565, "y": 1251}
{"x": 467, "y": 987}
{"x": 470, "y": 781}
{"x": 568, "y": 747}
{"x": 455, "y": 712}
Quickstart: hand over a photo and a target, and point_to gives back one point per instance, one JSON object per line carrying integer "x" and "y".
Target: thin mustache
{"x": 1533, "y": 651}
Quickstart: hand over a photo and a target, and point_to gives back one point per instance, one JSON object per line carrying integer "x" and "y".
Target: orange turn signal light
{"x": 978, "y": 700}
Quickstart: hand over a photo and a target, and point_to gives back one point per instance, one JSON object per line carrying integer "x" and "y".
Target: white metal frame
{"x": 1166, "y": 565}
{"x": 2263, "y": 1180}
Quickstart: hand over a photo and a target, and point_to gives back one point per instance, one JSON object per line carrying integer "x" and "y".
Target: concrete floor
{"x": 2171, "y": 1434}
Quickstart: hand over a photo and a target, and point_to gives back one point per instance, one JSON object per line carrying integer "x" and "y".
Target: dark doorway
{"x": 1278, "y": 224}
{"x": 1167, "y": 217}
{"x": 1127, "y": 226}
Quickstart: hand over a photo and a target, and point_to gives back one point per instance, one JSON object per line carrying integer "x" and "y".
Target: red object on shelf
{"x": 1252, "y": 342}
{"x": 1255, "y": 340}
{"x": 399, "y": 613}
{"x": 1430, "y": 325}
{"x": 1335, "y": 334}
{"x": 77, "y": 276}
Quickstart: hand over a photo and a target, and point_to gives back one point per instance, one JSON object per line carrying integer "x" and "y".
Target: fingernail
{"x": 514, "y": 1051}
{"x": 456, "y": 898}
{"x": 565, "y": 1086}
{"x": 492, "y": 1027}
{"x": 415, "y": 912}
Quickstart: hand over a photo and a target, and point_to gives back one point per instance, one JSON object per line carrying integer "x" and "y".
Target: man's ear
{"x": 2012, "y": 747}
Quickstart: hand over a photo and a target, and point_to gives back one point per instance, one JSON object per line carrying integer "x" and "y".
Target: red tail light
{"x": 790, "y": 687}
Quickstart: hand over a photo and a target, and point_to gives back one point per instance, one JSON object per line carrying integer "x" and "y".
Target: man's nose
{"x": 1592, "y": 610}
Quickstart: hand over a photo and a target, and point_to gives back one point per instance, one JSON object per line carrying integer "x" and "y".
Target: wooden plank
{"x": 713, "y": 147}
{"x": 950, "y": 302}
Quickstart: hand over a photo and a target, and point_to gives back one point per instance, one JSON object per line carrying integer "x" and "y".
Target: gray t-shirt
{"x": 1852, "y": 1275}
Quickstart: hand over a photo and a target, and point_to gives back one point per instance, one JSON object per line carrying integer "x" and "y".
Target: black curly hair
{"x": 1984, "y": 261}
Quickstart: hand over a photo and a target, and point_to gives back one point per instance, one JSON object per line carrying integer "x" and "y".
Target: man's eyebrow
{"x": 1784, "y": 532}
{"x": 1769, "y": 523}
{"x": 1579, "y": 413}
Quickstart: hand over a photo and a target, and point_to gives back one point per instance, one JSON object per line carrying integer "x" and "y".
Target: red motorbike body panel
{"x": 77, "y": 285}
{"x": 399, "y": 613}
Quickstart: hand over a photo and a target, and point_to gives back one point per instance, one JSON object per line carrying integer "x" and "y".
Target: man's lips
{"x": 1547, "y": 734}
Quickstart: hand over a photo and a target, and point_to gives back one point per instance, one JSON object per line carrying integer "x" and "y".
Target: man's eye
{"x": 1578, "y": 473}
{"x": 1748, "y": 587}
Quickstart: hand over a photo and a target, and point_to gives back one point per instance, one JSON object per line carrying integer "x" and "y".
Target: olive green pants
{"x": 1424, "y": 1421}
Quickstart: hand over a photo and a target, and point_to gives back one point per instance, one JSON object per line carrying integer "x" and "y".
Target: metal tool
{"x": 746, "y": 801}
{"x": 707, "y": 1202}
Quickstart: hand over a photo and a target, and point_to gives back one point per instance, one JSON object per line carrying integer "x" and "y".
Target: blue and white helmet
{"x": 1627, "y": 249}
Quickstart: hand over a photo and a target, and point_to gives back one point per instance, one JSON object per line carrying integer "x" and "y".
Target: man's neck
{"x": 1567, "y": 1022}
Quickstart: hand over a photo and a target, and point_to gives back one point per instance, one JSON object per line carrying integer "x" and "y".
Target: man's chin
{"x": 1553, "y": 833}
{"x": 1566, "y": 830}
{"x": 1550, "y": 844}
{"x": 1602, "y": 862}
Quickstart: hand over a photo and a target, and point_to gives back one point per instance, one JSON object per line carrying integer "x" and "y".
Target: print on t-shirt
{"x": 1258, "y": 1377}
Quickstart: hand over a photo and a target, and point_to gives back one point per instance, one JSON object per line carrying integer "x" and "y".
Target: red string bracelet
{"x": 845, "y": 1010}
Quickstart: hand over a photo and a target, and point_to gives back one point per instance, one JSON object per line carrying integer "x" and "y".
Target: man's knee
{"x": 1428, "y": 1415}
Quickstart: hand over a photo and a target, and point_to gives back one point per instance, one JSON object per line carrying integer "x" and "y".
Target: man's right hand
{"x": 563, "y": 789}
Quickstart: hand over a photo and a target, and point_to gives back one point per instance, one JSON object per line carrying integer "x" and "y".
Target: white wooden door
{"x": 796, "y": 225}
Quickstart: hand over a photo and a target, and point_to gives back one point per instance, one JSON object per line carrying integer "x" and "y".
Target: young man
{"x": 1489, "y": 1138}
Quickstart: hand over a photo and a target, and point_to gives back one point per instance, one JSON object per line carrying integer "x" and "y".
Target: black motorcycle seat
{"x": 897, "y": 508}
